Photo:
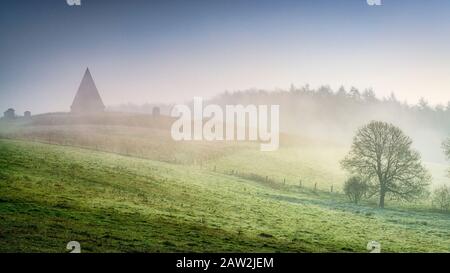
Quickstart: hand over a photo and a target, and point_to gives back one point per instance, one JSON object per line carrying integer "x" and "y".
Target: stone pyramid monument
{"x": 87, "y": 100}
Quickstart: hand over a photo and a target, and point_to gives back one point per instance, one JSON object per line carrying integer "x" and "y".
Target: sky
{"x": 143, "y": 51}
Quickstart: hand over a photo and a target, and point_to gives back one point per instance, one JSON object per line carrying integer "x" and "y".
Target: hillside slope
{"x": 50, "y": 195}
{"x": 309, "y": 161}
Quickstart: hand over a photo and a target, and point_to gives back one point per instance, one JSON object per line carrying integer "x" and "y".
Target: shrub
{"x": 355, "y": 188}
{"x": 441, "y": 198}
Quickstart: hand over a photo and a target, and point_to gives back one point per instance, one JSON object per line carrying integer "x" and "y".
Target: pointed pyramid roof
{"x": 87, "y": 99}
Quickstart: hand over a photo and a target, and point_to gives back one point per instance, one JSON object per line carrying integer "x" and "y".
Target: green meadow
{"x": 130, "y": 189}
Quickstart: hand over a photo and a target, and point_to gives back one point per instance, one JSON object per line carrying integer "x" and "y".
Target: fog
{"x": 171, "y": 51}
{"x": 335, "y": 115}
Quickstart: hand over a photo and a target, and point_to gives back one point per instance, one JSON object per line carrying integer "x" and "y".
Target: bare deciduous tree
{"x": 382, "y": 154}
{"x": 446, "y": 147}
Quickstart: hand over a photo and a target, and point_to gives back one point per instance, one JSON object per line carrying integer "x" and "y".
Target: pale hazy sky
{"x": 169, "y": 51}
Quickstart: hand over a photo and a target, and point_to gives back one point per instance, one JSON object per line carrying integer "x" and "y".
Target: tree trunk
{"x": 382, "y": 195}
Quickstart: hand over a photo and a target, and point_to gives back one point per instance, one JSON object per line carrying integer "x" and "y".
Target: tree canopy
{"x": 382, "y": 154}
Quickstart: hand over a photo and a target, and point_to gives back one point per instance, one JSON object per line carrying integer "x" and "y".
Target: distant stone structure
{"x": 156, "y": 112}
{"x": 87, "y": 100}
{"x": 27, "y": 114}
{"x": 10, "y": 114}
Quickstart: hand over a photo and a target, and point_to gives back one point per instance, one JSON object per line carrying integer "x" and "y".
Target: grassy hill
{"x": 50, "y": 195}
{"x": 311, "y": 162}
{"x": 306, "y": 160}
{"x": 118, "y": 183}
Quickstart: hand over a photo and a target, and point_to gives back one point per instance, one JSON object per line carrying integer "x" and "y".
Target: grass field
{"x": 118, "y": 183}
{"x": 53, "y": 194}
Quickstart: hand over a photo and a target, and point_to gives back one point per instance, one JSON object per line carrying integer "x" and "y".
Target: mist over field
{"x": 89, "y": 161}
{"x": 334, "y": 115}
